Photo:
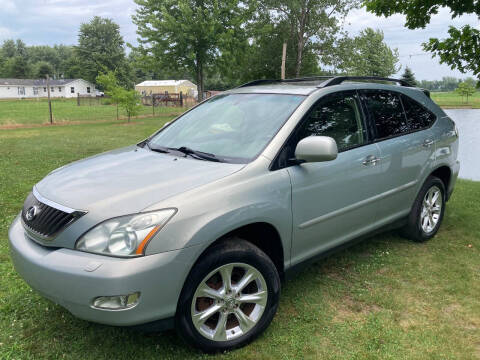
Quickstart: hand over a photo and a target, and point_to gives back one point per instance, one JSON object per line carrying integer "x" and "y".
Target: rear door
{"x": 406, "y": 146}
{"x": 332, "y": 201}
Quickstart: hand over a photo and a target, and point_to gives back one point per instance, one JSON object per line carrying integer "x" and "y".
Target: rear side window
{"x": 387, "y": 113}
{"x": 417, "y": 116}
{"x": 337, "y": 116}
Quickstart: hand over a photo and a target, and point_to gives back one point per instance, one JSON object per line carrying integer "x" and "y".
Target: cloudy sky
{"x": 50, "y": 22}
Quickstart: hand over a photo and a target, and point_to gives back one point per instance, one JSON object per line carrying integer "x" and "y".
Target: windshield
{"x": 233, "y": 127}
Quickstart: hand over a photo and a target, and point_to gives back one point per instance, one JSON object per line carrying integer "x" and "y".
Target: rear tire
{"x": 427, "y": 212}
{"x": 229, "y": 298}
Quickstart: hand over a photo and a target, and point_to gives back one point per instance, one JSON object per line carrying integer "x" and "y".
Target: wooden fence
{"x": 87, "y": 100}
{"x": 168, "y": 99}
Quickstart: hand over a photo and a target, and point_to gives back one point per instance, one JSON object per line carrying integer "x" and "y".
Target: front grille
{"x": 47, "y": 221}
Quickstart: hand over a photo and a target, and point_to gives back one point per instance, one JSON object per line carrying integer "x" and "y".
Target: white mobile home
{"x": 37, "y": 88}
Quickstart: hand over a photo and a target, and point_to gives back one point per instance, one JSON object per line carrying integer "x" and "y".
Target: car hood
{"x": 128, "y": 180}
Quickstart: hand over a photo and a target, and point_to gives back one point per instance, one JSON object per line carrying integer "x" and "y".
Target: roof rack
{"x": 337, "y": 80}
{"x": 328, "y": 80}
{"x": 273, "y": 81}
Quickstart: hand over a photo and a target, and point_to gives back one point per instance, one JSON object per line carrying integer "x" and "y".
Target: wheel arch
{"x": 264, "y": 235}
{"x": 444, "y": 173}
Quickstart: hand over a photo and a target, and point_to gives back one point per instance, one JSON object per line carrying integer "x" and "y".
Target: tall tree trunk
{"x": 199, "y": 79}
{"x": 301, "y": 39}
{"x": 298, "y": 67}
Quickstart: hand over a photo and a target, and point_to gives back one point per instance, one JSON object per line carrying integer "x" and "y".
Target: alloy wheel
{"x": 431, "y": 209}
{"x": 229, "y": 302}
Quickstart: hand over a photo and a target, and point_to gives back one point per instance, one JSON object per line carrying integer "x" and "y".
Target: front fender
{"x": 209, "y": 213}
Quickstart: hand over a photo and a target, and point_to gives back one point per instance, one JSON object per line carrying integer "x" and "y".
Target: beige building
{"x": 150, "y": 87}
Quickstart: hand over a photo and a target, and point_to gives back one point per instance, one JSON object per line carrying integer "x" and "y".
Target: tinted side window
{"x": 417, "y": 116}
{"x": 387, "y": 113}
{"x": 337, "y": 116}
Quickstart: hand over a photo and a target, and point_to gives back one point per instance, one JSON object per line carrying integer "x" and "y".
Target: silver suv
{"x": 194, "y": 227}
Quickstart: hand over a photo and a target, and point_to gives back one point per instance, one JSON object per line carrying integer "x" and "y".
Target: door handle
{"x": 371, "y": 160}
{"x": 428, "y": 142}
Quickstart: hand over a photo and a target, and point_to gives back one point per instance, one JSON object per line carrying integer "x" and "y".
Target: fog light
{"x": 118, "y": 302}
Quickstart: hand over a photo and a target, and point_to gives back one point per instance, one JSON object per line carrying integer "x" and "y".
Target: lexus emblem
{"x": 31, "y": 213}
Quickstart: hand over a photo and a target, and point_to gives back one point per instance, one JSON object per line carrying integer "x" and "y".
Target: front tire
{"x": 229, "y": 298}
{"x": 427, "y": 212}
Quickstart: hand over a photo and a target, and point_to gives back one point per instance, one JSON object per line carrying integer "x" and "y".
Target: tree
{"x": 100, "y": 49}
{"x": 309, "y": 23}
{"x": 471, "y": 82}
{"x": 42, "y": 69}
{"x": 9, "y": 49}
{"x": 262, "y": 57}
{"x": 14, "y": 60}
{"x": 186, "y": 36}
{"x": 129, "y": 100}
{"x": 460, "y": 50}
{"x": 18, "y": 67}
{"x": 21, "y": 48}
{"x": 448, "y": 83}
{"x": 367, "y": 55}
{"x": 19, "y": 60}
{"x": 409, "y": 77}
{"x": 465, "y": 89}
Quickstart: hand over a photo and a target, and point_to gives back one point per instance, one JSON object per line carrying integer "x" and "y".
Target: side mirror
{"x": 316, "y": 149}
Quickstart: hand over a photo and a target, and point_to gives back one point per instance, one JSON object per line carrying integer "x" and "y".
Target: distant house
{"x": 150, "y": 87}
{"x": 37, "y": 88}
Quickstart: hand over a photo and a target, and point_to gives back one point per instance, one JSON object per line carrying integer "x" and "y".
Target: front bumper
{"x": 73, "y": 279}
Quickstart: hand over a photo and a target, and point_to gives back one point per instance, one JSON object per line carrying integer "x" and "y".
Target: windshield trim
{"x": 229, "y": 159}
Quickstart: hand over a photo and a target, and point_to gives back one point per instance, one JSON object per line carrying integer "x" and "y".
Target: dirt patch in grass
{"x": 14, "y": 126}
{"x": 131, "y": 123}
{"x": 452, "y": 308}
{"x": 352, "y": 310}
{"x": 333, "y": 275}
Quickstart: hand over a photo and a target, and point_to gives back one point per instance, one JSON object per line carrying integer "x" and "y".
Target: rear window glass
{"x": 417, "y": 116}
{"x": 387, "y": 113}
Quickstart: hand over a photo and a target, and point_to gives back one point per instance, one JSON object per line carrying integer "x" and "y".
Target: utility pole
{"x": 153, "y": 105}
{"x": 49, "y": 101}
{"x": 284, "y": 58}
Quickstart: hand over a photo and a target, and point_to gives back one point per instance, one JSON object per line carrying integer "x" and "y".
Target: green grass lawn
{"x": 453, "y": 100}
{"x": 386, "y": 298}
{"x": 35, "y": 111}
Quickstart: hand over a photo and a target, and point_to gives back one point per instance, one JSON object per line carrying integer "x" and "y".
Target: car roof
{"x": 278, "y": 88}
{"x": 306, "y": 86}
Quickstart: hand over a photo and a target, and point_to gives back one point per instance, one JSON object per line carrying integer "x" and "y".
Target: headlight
{"x": 126, "y": 235}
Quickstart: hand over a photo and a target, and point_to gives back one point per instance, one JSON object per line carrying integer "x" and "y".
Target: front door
{"x": 333, "y": 201}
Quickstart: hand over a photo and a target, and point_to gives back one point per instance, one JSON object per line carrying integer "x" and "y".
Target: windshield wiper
{"x": 160, "y": 149}
{"x": 198, "y": 154}
{"x": 184, "y": 150}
